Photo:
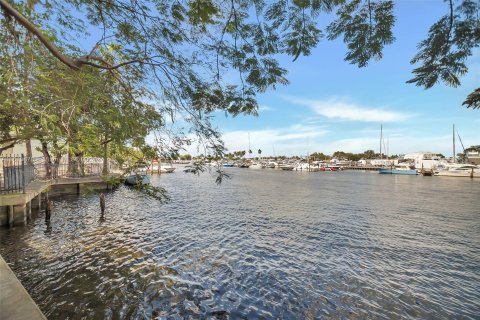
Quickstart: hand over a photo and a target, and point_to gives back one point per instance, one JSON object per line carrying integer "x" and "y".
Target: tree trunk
{"x": 28, "y": 144}
{"x": 48, "y": 160}
{"x": 81, "y": 165}
{"x": 57, "y": 165}
{"x": 105, "y": 158}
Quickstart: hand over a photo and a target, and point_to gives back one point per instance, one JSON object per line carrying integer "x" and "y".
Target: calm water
{"x": 265, "y": 244}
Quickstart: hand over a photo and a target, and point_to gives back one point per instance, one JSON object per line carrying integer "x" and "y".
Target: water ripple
{"x": 263, "y": 245}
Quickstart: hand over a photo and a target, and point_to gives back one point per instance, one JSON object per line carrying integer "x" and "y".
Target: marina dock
{"x": 16, "y": 208}
{"x": 362, "y": 168}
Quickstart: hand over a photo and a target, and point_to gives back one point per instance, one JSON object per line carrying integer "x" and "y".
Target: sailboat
{"x": 458, "y": 169}
{"x": 401, "y": 168}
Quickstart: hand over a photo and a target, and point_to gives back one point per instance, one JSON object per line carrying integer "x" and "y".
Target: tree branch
{"x": 8, "y": 146}
{"x": 11, "y": 12}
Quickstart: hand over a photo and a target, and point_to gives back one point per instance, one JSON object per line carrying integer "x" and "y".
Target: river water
{"x": 264, "y": 244}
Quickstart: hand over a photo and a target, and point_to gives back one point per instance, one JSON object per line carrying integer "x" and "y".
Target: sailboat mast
{"x": 381, "y": 138}
{"x": 453, "y": 143}
{"x": 465, "y": 156}
{"x": 387, "y": 148}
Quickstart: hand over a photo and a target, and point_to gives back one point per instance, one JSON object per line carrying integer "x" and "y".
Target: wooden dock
{"x": 366, "y": 168}
{"x": 16, "y": 208}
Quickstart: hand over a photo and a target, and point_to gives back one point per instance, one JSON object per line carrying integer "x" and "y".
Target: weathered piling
{"x": 29, "y": 210}
{"x": 10, "y": 216}
{"x": 102, "y": 203}
{"x": 48, "y": 210}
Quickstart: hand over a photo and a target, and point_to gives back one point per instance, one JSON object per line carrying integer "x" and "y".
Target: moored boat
{"x": 257, "y": 165}
{"x": 135, "y": 179}
{"x": 466, "y": 171}
{"x": 244, "y": 165}
{"x": 404, "y": 169}
{"x": 167, "y": 169}
{"x": 286, "y": 167}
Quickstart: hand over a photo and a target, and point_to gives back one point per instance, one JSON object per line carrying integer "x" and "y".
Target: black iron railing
{"x": 16, "y": 173}
{"x": 68, "y": 170}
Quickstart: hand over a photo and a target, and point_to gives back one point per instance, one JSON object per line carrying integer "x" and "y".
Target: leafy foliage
{"x": 156, "y": 62}
{"x": 450, "y": 42}
{"x": 473, "y": 99}
{"x": 366, "y": 28}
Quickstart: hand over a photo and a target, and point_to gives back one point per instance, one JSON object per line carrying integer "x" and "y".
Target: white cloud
{"x": 273, "y": 138}
{"x": 335, "y": 108}
{"x": 265, "y": 108}
{"x": 292, "y": 140}
{"x": 302, "y": 139}
{"x": 396, "y": 144}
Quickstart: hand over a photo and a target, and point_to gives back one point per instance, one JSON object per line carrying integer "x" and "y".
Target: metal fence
{"x": 17, "y": 171}
{"x": 72, "y": 169}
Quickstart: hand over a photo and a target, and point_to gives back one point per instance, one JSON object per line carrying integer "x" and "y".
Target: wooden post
{"x": 471, "y": 174}
{"x": 10, "y": 216}
{"x": 23, "y": 173}
{"x": 48, "y": 210}
{"x": 102, "y": 203}
{"x": 29, "y": 209}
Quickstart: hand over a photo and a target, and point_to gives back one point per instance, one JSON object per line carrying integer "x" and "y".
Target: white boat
{"x": 257, "y": 165}
{"x": 272, "y": 165}
{"x": 286, "y": 167}
{"x": 307, "y": 167}
{"x": 401, "y": 168}
{"x": 460, "y": 170}
{"x": 167, "y": 169}
{"x": 136, "y": 178}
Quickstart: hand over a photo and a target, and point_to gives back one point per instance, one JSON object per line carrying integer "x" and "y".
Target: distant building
{"x": 473, "y": 157}
{"x": 428, "y": 160}
{"x": 382, "y": 162}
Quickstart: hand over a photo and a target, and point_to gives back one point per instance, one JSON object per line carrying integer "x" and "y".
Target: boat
{"x": 286, "y": 167}
{"x": 167, "y": 169}
{"x": 328, "y": 169}
{"x": 134, "y": 179}
{"x": 302, "y": 167}
{"x": 138, "y": 174}
{"x": 307, "y": 167}
{"x": 460, "y": 170}
{"x": 228, "y": 164}
{"x": 272, "y": 165}
{"x": 257, "y": 165}
{"x": 244, "y": 165}
{"x": 405, "y": 169}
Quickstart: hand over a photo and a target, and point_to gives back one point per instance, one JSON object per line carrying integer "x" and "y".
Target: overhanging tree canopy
{"x": 181, "y": 51}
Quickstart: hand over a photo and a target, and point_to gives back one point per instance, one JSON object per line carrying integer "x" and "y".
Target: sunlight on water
{"x": 265, "y": 244}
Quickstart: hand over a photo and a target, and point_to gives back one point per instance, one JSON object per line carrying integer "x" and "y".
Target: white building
{"x": 428, "y": 160}
{"x": 377, "y": 162}
{"x": 473, "y": 157}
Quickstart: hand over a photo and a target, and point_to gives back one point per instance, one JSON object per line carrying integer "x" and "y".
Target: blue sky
{"x": 331, "y": 105}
